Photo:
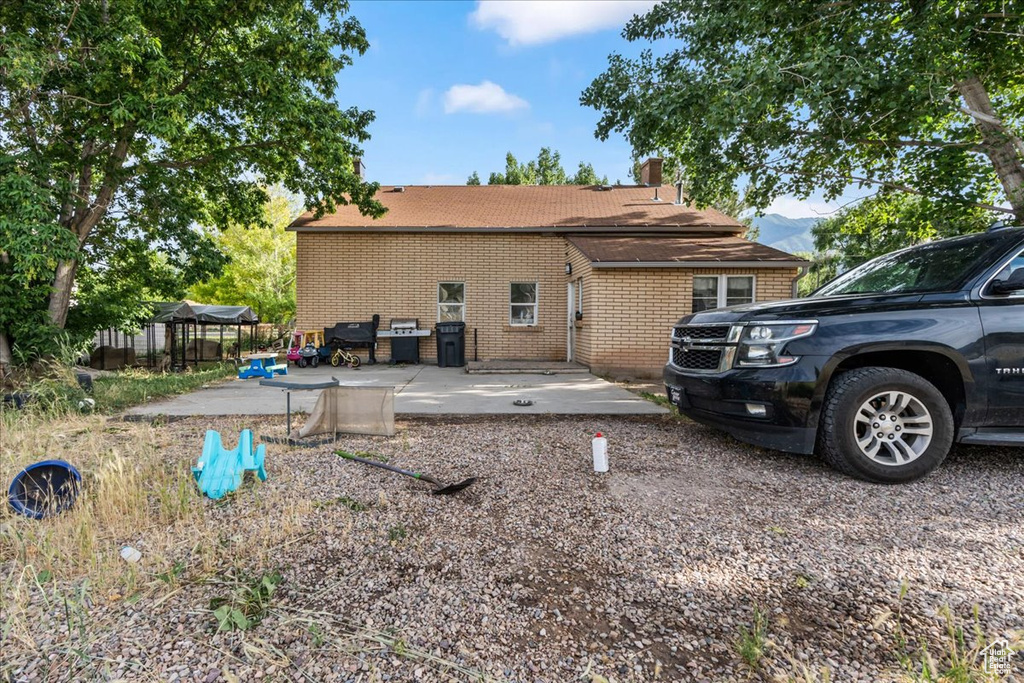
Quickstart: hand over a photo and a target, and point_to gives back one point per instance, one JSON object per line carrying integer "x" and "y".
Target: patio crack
{"x": 410, "y": 381}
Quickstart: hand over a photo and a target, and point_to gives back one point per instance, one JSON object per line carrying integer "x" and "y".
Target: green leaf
{"x": 239, "y": 620}
{"x": 115, "y": 97}
{"x": 808, "y": 98}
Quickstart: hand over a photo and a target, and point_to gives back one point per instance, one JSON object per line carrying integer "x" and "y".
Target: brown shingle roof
{"x": 525, "y": 207}
{"x": 603, "y": 251}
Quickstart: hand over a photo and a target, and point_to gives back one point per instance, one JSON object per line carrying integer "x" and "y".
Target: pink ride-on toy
{"x": 295, "y": 346}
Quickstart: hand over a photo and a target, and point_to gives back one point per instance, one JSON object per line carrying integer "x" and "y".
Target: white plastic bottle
{"x": 600, "y": 446}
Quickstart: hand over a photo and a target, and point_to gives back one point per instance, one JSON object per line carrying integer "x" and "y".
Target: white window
{"x": 523, "y": 303}
{"x": 451, "y": 302}
{"x": 716, "y": 291}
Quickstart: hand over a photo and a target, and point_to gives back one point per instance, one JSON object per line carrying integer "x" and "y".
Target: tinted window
{"x": 937, "y": 267}
{"x": 1016, "y": 264}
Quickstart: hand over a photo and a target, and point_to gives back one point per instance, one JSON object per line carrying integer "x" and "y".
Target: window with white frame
{"x": 451, "y": 302}
{"x": 716, "y": 291}
{"x": 523, "y": 303}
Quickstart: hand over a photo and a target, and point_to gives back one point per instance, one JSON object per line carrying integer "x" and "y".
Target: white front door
{"x": 570, "y": 336}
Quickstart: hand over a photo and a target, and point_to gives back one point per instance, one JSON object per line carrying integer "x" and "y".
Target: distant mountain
{"x": 788, "y": 234}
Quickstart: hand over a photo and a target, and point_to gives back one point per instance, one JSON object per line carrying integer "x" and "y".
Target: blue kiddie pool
{"x": 45, "y": 488}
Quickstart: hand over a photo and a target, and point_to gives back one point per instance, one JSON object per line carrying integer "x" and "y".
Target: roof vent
{"x": 604, "y": 188}
{"x": 656, "y": 198}
{"x": 398, "y": 188}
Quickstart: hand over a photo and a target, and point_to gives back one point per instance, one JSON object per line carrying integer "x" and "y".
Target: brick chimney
{"x": 650, "y": 172}
{"x": 357, "y": 166}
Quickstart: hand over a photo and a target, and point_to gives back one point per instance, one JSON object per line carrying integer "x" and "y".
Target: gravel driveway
{"x": 544, "y": 571}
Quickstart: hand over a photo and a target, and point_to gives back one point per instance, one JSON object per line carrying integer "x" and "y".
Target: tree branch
{"x": 83, "y": 225}
{"x": 84, "y": 179}
{"x": 971, "y": 146}
{"x": 911, "y": 190}
{"x": 205, "y": 159}
{"x": 30, "y": 128}
{"x": 893, "y": 185}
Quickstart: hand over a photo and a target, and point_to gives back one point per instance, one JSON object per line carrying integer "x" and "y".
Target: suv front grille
{"x": 696, "y": 359}
{"x": 701, "y": 332}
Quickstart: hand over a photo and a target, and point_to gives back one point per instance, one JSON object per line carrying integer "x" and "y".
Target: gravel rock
{"x": 546, "y": 571}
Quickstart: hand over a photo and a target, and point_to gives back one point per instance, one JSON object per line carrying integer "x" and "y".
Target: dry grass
{"x": 137, "y": 490}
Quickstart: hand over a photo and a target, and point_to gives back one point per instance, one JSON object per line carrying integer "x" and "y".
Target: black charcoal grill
{"x": 354, "y": 335}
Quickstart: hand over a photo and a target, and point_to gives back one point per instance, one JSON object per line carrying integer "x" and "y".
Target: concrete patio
{"x": 420, "y": 390}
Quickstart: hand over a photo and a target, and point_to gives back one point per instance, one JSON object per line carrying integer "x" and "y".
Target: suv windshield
{"x": 936, "y": 267}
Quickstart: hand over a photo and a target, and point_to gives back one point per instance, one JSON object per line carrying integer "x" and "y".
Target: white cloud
{"x": 481, "y": 99}
{"x": 531, "y": 22}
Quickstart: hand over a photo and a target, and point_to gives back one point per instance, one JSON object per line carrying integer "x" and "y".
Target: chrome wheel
{"x": 893, "y": 428}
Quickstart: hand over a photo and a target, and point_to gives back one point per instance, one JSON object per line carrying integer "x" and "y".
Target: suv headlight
{"x": 763, "y": 344}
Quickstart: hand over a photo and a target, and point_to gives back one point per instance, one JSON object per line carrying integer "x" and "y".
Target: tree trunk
{"x": 5, "y": 354}
{"x": 5, "y": 345}
{"x": 60, "y": 297}
{"x": 1003, "y": 147}
{"x": 85, "y": 218}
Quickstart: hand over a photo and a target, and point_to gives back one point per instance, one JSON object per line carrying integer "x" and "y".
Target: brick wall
{"x": 349, "y": 277}
{"x": 634, "y": 309}
{"x": 627, "y": 312}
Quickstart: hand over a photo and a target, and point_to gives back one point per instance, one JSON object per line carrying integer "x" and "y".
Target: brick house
{"x": 596, "y": 275}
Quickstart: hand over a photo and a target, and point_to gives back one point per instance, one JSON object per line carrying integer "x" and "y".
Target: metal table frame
{"x": 289, "y": 387}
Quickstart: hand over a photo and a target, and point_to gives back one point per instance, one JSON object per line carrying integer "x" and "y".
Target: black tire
{"x": 335, "y": 359}
{"x": 301, "y": 361}
{"x": 355, "y": 362}
{"x": 836, "y": 432}
{"x": 315, "y": 361}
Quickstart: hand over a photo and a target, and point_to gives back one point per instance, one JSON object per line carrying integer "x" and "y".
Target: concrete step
{"x": 524, "y": 367}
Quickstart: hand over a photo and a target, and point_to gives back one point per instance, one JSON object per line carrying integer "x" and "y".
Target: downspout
{"x": 804, "y": 270}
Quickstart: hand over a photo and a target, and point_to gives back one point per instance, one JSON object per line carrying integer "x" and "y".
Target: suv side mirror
{"x": 1011, "y": 285}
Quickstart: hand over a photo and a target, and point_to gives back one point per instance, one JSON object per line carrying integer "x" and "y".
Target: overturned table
{"x": 341, "y": 408}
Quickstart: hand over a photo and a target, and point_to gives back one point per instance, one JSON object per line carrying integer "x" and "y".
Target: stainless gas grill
{"x": 405, "y": 336}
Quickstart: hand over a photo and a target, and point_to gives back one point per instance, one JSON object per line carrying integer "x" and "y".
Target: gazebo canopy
{"x": 183, "y": 311}
{"x": 224, "y": 315}
{"x": 172, "y": 311}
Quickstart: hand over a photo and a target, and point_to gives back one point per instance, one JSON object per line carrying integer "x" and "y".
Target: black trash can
{"x": 451, "y": 344}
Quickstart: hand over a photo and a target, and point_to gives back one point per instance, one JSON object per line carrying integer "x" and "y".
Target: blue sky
{"x": 457, "y": 84}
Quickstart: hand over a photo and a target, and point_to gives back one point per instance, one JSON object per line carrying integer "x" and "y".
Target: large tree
{"x": 261, "y": 270}
{"x": 891, "y": 221}
{"x": 126, "y": 123}
{"x": 925, "y": 97}
{"x": 546, "y": 169}
{"x": 586, "y": 175}
{"x": 516, "y": 173}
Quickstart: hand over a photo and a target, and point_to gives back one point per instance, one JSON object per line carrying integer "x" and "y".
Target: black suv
{"x": 880, "y": 370}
